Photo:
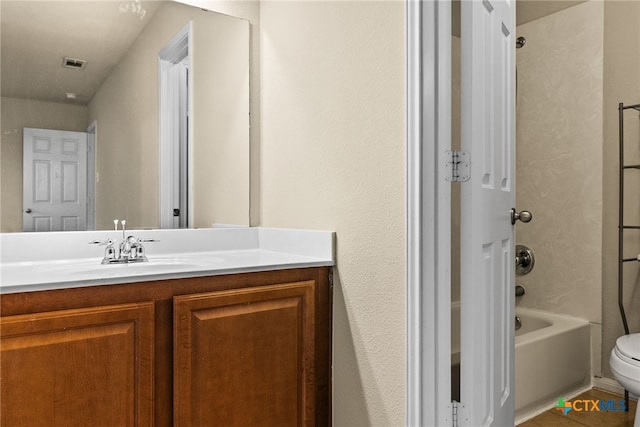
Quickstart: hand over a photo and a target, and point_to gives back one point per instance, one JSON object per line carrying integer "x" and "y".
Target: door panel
{"x": 54, "y": 180}
{"x": 487, "y": 245}
{"x": 70, "y": 182}
{"x": 78, "y": 367}
{"x": 42, "y": 181}
{"x": 245, "y": 357}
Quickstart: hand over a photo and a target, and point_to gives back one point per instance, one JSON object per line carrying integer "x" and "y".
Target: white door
{"x": 54, "y": 180}
{"x": 487, "y": 235}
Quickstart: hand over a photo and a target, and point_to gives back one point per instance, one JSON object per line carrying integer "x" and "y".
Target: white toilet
{"x": 625, "y": 364}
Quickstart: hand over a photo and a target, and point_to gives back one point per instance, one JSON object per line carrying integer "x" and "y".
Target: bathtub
{"x": 553, "y": 354}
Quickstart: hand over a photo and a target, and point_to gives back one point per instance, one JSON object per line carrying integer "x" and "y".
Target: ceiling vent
{"x": 76, "y": 64}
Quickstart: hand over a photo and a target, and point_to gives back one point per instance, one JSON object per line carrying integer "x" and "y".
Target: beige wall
{"x": 125, "y": 108}
{"x": 621, "y": 84}
{"x": 249, "y": 10}
{"x": 221, "y": 117}
{"x": 333, "y": 158}
{"x": 559, "y": 159}
{"x": 16, "y": 115}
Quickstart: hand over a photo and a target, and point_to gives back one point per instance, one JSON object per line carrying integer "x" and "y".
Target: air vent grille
{"x": 74, "y": 63}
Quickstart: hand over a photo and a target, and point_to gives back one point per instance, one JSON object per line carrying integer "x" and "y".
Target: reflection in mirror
{"x": 93, "y": 67}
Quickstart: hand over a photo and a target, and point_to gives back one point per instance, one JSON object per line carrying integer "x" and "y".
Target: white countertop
{"x": 44, "y": 261}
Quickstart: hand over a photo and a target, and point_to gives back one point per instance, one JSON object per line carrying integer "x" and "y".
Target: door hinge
{"x": 457, "y": 413}
{"x": 454, "y": 413}
{"x": 457, "y": 167}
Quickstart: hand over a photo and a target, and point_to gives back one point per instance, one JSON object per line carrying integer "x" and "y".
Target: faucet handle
{"x": 107, "y": 242}
{"x": 109, "y": 251}
{"x": 132, "y": 240}
{"x": 137, "y": 249}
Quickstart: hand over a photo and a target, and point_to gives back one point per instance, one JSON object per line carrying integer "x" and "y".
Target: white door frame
{"x": 92, "y": 138}
{"x": 173, "y": 124}
{"x": 428, "y": 136}
{"x": 428, "y": 302}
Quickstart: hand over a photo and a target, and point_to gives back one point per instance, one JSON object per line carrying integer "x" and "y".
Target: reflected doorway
{"x": 174, "y": 65}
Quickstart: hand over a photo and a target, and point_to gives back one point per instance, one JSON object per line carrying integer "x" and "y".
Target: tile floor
{"x": 553, "y": 417}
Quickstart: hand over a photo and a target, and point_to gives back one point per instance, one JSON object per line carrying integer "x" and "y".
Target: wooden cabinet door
{"x": 80, "y": 367}
{"x": 245, "y": 357}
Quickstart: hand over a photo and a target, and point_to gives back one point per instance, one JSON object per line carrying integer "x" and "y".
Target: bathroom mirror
{"x": 93, "y": 67}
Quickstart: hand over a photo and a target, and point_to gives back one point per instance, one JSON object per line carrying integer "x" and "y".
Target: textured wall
{"x": 621, "y": 84}
{"x": 333, "y": 158}
{"x": 16, "y": 115}
{"x": 559, "y": 159}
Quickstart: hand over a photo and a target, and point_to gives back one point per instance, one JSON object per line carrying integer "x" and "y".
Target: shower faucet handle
{"x": 525, "y": 260}
{"x": 524, "y": 216}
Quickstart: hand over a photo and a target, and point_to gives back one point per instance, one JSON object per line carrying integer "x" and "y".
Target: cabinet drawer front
{"x": 80, "y": 367}
{"x": 245, "y": 357}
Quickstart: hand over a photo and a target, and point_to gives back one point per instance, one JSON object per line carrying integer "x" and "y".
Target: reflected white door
{"x": 54, "y": 180}
{"x": 487, "y": 236}
{"x": 174, "y": 100}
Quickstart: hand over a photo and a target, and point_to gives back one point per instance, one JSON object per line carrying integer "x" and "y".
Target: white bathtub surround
{"x": 552, "y": 358}
{"x": 39, "y": 261}
{"x": 563, "y": 94}
{"x": 559, "y": 116}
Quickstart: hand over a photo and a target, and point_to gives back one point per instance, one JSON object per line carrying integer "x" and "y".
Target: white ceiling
{"x": 37, "y": 35}
{"x": 530, "y": 10}
{"x": 526, "y": 11}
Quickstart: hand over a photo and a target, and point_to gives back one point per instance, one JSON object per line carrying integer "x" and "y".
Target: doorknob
{"x": 524, "y": 216}
{"x": 28, "y": 210}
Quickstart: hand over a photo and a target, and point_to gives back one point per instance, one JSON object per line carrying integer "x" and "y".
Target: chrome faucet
{"x": 129, "y": 250}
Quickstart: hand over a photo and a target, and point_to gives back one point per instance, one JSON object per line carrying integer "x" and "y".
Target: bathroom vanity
{"x": 180, "y": 345}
